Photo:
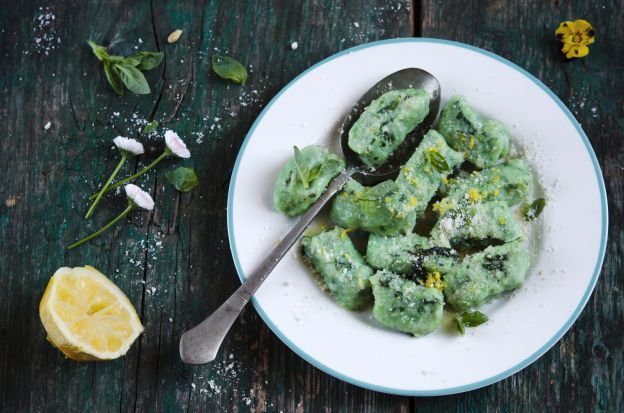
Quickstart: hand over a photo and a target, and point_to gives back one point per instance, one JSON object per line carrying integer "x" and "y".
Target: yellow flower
{"x": 413, "y": 202}
{"x": 575, "y": 36}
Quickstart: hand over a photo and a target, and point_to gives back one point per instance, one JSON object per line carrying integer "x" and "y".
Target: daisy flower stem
{"x": 164, "y": 155}
{"x": 105, "y": 227}
{"x": 105, "y": 187}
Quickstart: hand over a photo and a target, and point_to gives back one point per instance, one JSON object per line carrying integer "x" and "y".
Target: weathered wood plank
{"x": 584, "y": 371}
{"x": 174, "y": 263}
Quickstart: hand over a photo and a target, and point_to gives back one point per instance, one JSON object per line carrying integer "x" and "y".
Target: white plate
{"x": 353, "y": 347}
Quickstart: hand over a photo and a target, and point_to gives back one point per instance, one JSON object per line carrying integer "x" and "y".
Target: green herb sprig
{"x": 533, "y": 210}
{"x": 469, "y": 319}
{"x": 127, "y": 71}
{"x": 377, "y": 192}
{"x": 308, "y": 174}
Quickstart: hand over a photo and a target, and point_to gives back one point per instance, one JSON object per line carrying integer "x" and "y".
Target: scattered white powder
{"x": 46, "y": 39}
{"x": 294, "y": 45}
{"x": 47, "y": 126}
{"x": 356, "y": 24}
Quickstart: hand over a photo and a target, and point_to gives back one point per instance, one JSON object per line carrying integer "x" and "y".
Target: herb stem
{"x": 105, "y": 227}
{"x": 164, "y": 155}
{"x": 105, "y": 187}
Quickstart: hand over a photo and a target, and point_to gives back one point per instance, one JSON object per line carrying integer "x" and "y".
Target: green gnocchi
{"x": 474, "y": 250}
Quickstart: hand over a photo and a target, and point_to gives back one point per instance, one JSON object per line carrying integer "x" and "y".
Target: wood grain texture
{"x": 174, "y": 263}
{"x": 585, "y": 370}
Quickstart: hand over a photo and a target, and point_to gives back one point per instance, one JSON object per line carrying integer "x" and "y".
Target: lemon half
{"x": 87, "y": 316}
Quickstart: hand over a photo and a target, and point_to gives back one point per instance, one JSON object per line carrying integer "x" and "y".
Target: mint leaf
{"x": 150, "y": 127}
{"x": 228, "y": 68}
{"x": 183, "y": 179}
{"x": 437, "y": 161}
{"x": 302, "y": 168}
{"x": 534, "y": 210}
{"x": 133, "y": 79}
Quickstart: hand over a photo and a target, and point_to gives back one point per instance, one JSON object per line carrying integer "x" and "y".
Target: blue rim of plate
{"x": 449, "y": 390}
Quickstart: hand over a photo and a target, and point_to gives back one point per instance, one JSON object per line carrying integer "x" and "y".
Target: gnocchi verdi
{"x": 304, "y": 178}
{"x": 385, "y": 123}
{"x": 482, "y": 142}
{"x": 341, "y": 267}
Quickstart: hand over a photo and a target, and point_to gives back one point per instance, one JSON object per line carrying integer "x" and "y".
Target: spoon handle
{"x": 200, "y": 344}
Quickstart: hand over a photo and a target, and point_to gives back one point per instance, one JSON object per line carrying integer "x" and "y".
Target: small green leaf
{"x": 228, "y": 68}
{"x": 534, "y": 210}
{"x": 132, "y": 61}
{"x": 148, "y": 60}
{"x": 377, "y": 192}
{"x": 331, "y": 164}
{"x": 460, "y": 325}
{"x": 473, "y": 318}
{"x": 302, "y": 168}
{"x": 150, "y": 127}
{"x": 99, "y": 51}
{"x": 183, "y": 179}
{"x": 314, "y": 172}
{"x": 437, "y": 161}
{"x": 133, "y": 79}
{"x": 112, "y": 75}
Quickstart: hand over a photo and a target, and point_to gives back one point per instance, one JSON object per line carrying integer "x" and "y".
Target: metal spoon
{"x": 200, "y": 344}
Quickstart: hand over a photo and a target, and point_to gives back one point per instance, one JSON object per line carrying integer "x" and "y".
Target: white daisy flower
{"x": 176, "y": 145}
{"x": 139, "y": 197}
{"x": 130, "y": 146}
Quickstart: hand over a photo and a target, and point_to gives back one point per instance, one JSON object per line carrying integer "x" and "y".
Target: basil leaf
{"x": 378, "y": 191}
{"x": 148, "y": 60}
{"x": 460, "y": 325}
{"x": 228, "y": 68}
{"x": 330, "y": 165}
{"x": 473, "y": 318}
{"x": 99, "y": 51}
{"x": 150, "y": 127}
{"x": 112, "y": 75}
{"x": 534, "y": 210}
{"x": 314, "y": 172}
{"x": 183, "y": 179}
{"x": 132, "y": 60}
{"x": 302, "y": 168}
{"x": 133, "y": 79}
{"x": 115, "y": 59}
{"x": 437, "y": 161}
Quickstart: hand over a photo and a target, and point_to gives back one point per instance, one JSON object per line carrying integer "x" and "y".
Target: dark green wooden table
{"x": 174, "y": 263}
